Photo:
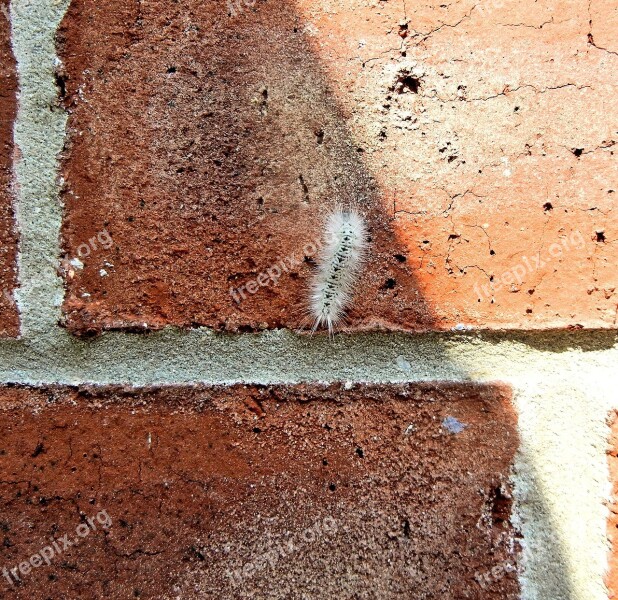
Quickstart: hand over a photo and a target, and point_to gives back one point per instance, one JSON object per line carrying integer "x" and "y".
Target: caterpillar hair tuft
{"x": 339, "y": 265}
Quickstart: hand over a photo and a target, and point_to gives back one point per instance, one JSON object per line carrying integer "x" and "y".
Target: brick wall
{"x": 170, "y": 429}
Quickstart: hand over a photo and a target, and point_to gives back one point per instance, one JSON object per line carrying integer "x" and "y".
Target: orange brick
{"x": 362, "y": 491}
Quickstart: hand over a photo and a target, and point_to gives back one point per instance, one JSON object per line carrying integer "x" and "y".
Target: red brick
{"x": 9, "y": 318}
{"x": 211, "y": 146}
{"x": 200, "y": 481}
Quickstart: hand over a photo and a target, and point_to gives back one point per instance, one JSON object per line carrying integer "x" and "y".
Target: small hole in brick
{"x": 516, "y": 109}
{"x": 531, "y": 292}
{"x": 195, "y": 552}
{"x": 577, "y": 151}
{"x": 529, "y": 311}
{"x": 257, "y": 430}
{"x": 171, "y": 70}
{"x": 389, "y": 284}
{"x": 325, "y": 462}
{"x": 38, "y": 450}
{"x": 492, "y": 252}
{"x": 61, "y": 83}
{"x": 548, "y": 206}
{"x": 304, "y": 187}
{"x": 319, "y": 136}
{"x": 600, "y": 236}
{"x": 407, "y": 83}
{"x": 332, "y": 487}
{"x": 501, "y": 506}
{"x": 406, "y": 528}
{"x": 400, "y": 258}
{"x": 360, "y": 452}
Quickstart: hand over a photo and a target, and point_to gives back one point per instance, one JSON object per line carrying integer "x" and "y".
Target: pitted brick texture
{"x": 406, "y": 484}
{"x": 211, "y": 142}
{"x": 9, "y": 320}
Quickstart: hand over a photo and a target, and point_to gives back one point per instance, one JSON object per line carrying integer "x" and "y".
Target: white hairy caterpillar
{"x": 340, "y": 261}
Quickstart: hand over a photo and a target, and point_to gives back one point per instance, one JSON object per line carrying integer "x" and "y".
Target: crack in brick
{"x": 551, "y": 21}
{"x": 591, "y": 41}
{"x": 505, "y": 92}
{"x": 428, "y": 34}
{"x": 508, "y": 90}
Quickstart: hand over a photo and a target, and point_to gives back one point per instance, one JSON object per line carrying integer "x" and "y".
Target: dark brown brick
{"x": 408, "y": 485}
{"x": 9, "y": 319}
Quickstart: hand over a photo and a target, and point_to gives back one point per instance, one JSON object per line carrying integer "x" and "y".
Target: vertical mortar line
{"x": 39, "y": 137}
{"x": 562, "y": 421}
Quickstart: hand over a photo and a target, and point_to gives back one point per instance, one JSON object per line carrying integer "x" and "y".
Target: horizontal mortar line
{"x": 576, "y": 336}
{"x": 173, "y": 356}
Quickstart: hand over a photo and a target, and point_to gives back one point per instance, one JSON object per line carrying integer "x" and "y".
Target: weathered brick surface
{"x": 9, "y": 324}
{"x": 210, "y": 141}
{"x": 407, "y": 485}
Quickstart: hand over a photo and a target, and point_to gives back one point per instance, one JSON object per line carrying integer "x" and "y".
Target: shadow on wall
{"x": 222, "y": 149}
{"x": 222, "y": 153}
